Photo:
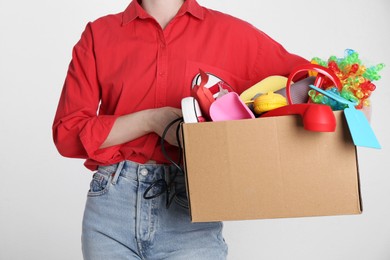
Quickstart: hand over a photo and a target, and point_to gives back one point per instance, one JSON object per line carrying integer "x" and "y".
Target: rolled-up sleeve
{"x": 78, "y": 130}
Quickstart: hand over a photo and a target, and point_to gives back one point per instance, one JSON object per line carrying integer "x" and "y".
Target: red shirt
{"x": 126, "y": 62}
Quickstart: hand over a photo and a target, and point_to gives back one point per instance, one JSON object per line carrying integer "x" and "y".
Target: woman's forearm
{"x": 132, "y": 126}
{"x": 128, "y": 127}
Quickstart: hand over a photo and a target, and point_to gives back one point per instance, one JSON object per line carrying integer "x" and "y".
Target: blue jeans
{"x": 120, "y": 224}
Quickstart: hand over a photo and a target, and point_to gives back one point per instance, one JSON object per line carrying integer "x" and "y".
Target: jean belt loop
{"x": 117, "y": 172}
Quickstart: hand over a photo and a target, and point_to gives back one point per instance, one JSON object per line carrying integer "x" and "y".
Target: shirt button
{"x": 144, "y": 172}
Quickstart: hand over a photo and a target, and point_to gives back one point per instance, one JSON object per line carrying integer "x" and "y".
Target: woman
{"x": 128, "y": 74}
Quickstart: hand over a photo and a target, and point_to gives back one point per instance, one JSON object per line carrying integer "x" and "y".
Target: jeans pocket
{"x": 99, "y": 184}
{"x": 182, "y": 200}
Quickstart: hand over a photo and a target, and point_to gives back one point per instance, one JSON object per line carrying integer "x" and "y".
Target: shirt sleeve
{"x": 273, "y": 59}
{"x": 78, "y": 131}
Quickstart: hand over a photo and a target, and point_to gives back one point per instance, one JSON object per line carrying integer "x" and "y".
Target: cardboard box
{"x": 269, "y": 168}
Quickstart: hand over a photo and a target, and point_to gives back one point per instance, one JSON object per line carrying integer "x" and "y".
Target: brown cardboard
{"x": 269, "y": 168}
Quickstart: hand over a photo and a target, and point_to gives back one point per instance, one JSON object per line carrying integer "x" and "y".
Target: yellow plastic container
{"x": 268, "y": 101}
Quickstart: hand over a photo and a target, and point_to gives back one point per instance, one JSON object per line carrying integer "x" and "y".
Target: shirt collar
{"x": 135, "y": 10}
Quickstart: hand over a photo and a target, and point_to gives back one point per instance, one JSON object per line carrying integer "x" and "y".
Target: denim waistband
{"x": 140, "y": 172}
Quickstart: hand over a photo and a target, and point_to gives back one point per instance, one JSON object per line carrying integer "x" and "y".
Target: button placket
{"x": 162, "y": 67}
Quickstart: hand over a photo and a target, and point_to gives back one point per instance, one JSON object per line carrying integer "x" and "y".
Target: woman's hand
{"x": 161, "y": 118}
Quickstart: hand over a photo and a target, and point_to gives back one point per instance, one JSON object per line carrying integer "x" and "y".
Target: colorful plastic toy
{"x": 356, "y": 79}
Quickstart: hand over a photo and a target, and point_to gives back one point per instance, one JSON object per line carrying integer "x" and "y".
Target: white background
{"x": 42, "y": 195}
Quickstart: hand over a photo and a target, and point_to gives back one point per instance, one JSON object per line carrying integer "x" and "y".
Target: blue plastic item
{"x": 359, "y": 127}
